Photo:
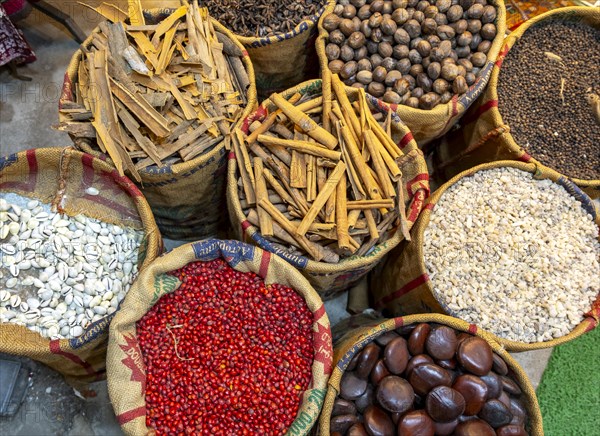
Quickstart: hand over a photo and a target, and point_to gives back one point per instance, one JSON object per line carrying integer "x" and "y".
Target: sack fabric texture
{"x": 427, "y": 125}
{"x": 59, "y": 177}
{"x": 367, "y": 328}
{"x": 187, "y": 198}
{"x": 484, "y": 136}
{"x": 404, "y": 287}
{"x": 126, "y": 371}
{"x": 327, "y": 278}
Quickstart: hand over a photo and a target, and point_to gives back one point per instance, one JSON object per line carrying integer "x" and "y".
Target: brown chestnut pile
{"x": 426, "y": 379}
{"x": 410, "y": 52}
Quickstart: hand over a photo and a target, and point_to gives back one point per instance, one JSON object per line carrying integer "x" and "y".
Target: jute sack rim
{"x": 153, "y": 247}
{"x": 243, "y": 255}
{"x": 444, "y": 109}
{"x": 509, "y": 42}
{"x": 355, "y": 340}
{"x": 311, "y": 265}
{"x": 264, "y": 41}
{"x": 591, "y": 318}
{"x": 71, "y": 77}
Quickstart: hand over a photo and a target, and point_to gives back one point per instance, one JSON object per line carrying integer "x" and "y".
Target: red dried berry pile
{"x": 225, "y": 354}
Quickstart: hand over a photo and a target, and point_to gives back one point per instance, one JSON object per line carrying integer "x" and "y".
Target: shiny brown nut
{"x": 411, "y": 80}
{"x": 440, "y": 20}
{"x": 357, "y": 429}
{"x": 343, "y": 407}
{"x": 361, "y": 53}
{"x": 518, "y": 411}
{"x": 365, "y": 400}
{"x": 364, "y": 12}
{"x": 415, "y": 361}
{"x": 440, "y": 86}
{"x": 422, "y": 5}
{"x": 376, "y": 89}
{"x": 464, "y": 39}
{"x": 401, "y": 87}
{"x": 449, "y": 72}
{"x": 416, "y": 423}
{"x": 474, "y": 427}
{"x": 511, "y": 430}
{"x": 358, "y": 3}
{"x": 377, "y": 422}
{"x": 415, "y": 70}
{"x": 379, "y": 74}
{"x": 444, "y": 404}
{"x": 401, "y": 36}
{"x": 494, "y": 384}
{"x": 400, "y": 51}
{"x": 499, "y": 365}
{"x": 395, "y": 394}
{"x": 375, "y": 20}
{"x": 385, "y": 49}
{"x": 473, "y": 390}
{"x": 414, "y": 42}
{"x": 475, "y": 12}
{"x": 383, "y": 339}
{"x": 364, "y": 65}
{"x": 476, "y": 41}
{"x": 455, "y": 13}
{"x": 356, "y": 40}
{"x": 367, "y": 357}
{"x": 387, "y": 7}
{"x": 446, "y": 97}
{"x": 347, "y": 27}
{"x": 441, "y": 342}
{"x": 444, "y": 428}
{"x": 446, "y": 363}
{"x": 346, "y": 53}
{"x": 443, "y": 5}
{"x": 430, "y": 11}
{"x": 445, "y": 32}
{"x": 352, "y": 387}
{"x": 468, "y": 66}
{"x": 489, "y": 14}
{"x": 392, "y": 77}
{"x": 460, "y": 26}
{"x": 388, "y": 26}
{"x": 416, "y": 340}
{"x": 337, "y": 37}
{"x": 475, "y": 355}
{"x": 419, "y": 17}
{"x": 470, "y": 78}
{"x": 358, "y": 85}
{"x": 377, "y": 6}
{"x": 473, "y": 26}
{"x": 510, "y": 386}
{"x": 488, "y": 31}
{"x": 395, "y": 355}
{"x": 504, "y": 398}
{"x": 399, "y": 4}
{"x": 342, "y": 423}
{"x": 413, "y": 28}
{"x": 429, "y": 26}
{"x": 415, "y": 57}
{"x": 484, "y": 46}
{"x": 424, "y": 48}
{"x": 349, "y": 70}
{"x": 417, "y": 92}
{"x": 427, "y": 376}
{"x": 336, "y": 66}
{"x": 331, "y": 22}
{"x": 349, "y": 11}
{"x": 404, "y": 66}
{"x": 372, "y": 47}
{"x": 437, "y": 54}
{"x": 424, "y": 82}
{"x": 495, "y": 413}
{"x": 400, "y": 16}
{"x": 376, "y": 35}
{"x": 459, "y": 85}
{"x": 378, "y": 372}
{"x": 332, "y": 51}
{"x": 365, "y": 77}
{"x": 463, "y": 52}
{"x": 413, "y": 102}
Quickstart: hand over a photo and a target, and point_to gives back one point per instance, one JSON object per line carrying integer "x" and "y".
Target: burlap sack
{"x": 126, "y": 370}
{"x": 60, "y": 177}
{"x": 403, "y": 287}
{"x": 355, "y": 340}
{"x": 187, "y": 198}
{"x": 284, "y": 60}
{"x": 427, "y": 125}
{"x": 484, "y": 136}
{"x": 327, "y": 278}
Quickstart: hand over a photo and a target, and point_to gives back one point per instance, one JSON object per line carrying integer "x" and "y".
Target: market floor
{"x": 27, "y": 112}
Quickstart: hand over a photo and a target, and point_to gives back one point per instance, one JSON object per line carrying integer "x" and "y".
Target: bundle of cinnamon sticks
{"x": 156, "y": 94}
{"x": 328, "y": 190}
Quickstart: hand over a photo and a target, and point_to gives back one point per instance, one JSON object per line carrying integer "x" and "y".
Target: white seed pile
{"x": 59, "y": 274}
{"x": 517, "y": 256}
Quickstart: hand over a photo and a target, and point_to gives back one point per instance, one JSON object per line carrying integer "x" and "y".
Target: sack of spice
{"x": 73, "y": 235}
{"x": 219, "y": 336}
{"x": 159, "y": 92}
{"x": 428, "y": 62}
{"x": 329, "y": 210}
{"x": 426, "y": 374}
{"x": 542, "y": 104}
{"x": 279, "y": 36}
{"x": 507, "y": 246}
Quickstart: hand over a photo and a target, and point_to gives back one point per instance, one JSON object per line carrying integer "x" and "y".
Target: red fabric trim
{"x": 501, "y": 56}
{"x": 399, "y": 322}
{"x": 480, "y": 111}
{"x": 429, "y": 206}
{"x": 413, "y": 284}
{"x": 231, "y": 155}
{"x": 472, "y": 329}
{"x": 319, "y": 312}
{"x": 416, "y": 179}
{"x": 125, "y": 417}
{"x": 405, "y": 140}
{"x": 55, "y": 349}
{"x": 525, "y": 158}
{"x": 264, "y": 264}
{"x": 245, "y": 225}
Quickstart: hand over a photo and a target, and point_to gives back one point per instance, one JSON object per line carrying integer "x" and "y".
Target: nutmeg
{"x": 413, "y": 28}
{"x": 338, "y": 9}
{"x": 470, "y": 78}
{"x": 424, "y": 82}
{"x": 376, "y": 60}
{"x": 430, "y": 11}
{"x": 361, "y": 53}
{"x": 349, "y": 11}
{"x": 385, "y": 49}
{"x": 466, "y": 63}
{"x": 372, "y": 47}
{"x": 347, "y": 27}
{"x": 358, "y": 3}
{"x": 418, "y": 16}
{"x": 387, "y": 8}
{"x": 400, "y": 16}
{"x": 388, "y": 26}
{"x": 413, "y": 102}
{"x": 401, "y": 86}
{"x": 375, "y": 20}
{"x": 429, "y": 101}
{"x": 478, "y": 59}
{"x": 466, "y": 4}
{"x": 337, "y": 37}
{"x": 429, "y": 26}
{"x": 437, "y": 54}
{"x": 364, "y": 12}
{"x": 412, "y": 82}
{"x": 414, "y": 42}
{"x": 331, "y": 22}
{"x": 433, "y": 70}
{"x": 460, "y": 26}
{"x": 391, "y": 97}
{"x": 476, "y": 41}
{"x": 403, "y": 65}
{"x": 332, "y": 51}
{"x": 424, "y": 48}
{"x": 475, "y": 12}
{"x": 392, "y": 77}
{"x": 464, "y": 39}
{"x": 455, "y": 13}
{"x": 415, "y": 57}
{"x": 349, "y": 70}
{"x": 449, "y": 72}
{"x": 445, "y": 32}
{"x": 365, "y": 29}
{"x": 415, "y": 70}
{"x": 463, "y": 52}
{"x": 434, "y": 40}
{"x": 376, "y": 89}
{"x": 377, "y": 6}
{"x": 417, "y": 92}
{"x": 346, "y": 53}
{"x": 422, "y": 5}
{"x": 336, "y": 66}
{"x": 488, "y": 31}
{"x": 425, "y": 62}
{"x": 489, "y": 14}
{"x": 400, "y": 51}
{"x": 397, "y": 4}
{"x": 459, "y": 86}
{"x": 484, "y": 46}
{"x": 474, "y": 26}
{"x": 401, "y": 36}
{"x": 364, "y": 65}
{"x": 443, "y": 5}
{"x": 461, "y": 70}
{"x": 389, "y": 63}
{"x": 364, "y": 77}
{"x": 441, "y": 19}
{"x": 356, "y": 40}
{"x": 446, "y": 47}
{"x": 440, "y": 86}
{"x": 446, "y": 97}
{"x": 379, "y": 74}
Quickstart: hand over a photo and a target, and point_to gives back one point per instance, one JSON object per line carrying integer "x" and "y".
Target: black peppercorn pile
{"x": 560, "y": 129}
{"x": 260, "y": 18}
{"x": 410, "y": 52}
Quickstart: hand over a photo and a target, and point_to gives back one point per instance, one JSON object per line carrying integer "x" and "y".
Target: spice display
{"x": 517, "y": 256}
{"x": 518, "y": 11}
{"x": 60, "y": 273}
{"x": 156, "y": 94}
{"x": 547, "y": 87}
{"x": 410, "y": 52}
{"x": 424, "y": 379}
{"x": 225, "y": 353}
{"x": 324, "y": 195}
{"x": 263, "y": 18}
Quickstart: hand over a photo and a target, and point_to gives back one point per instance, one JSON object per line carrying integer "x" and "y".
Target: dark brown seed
{"x": 349, "y": 11}
{"x": 364, "y": 12}
{"x": 357, "y": 429}
{"x": 342, "y": 423}
{"x": 332, "y": 52}
{"x": 440, "y": 86}
{"x": 446, "y": 97}
{"x": 385, "y": 49}
{"x": 416, "y": 423}
{"x": 337, "y": 37}
{"x": 474, "y": 391}
{"x": 460, "y": 26}
{"x": 413, "y": 102}
{"x": 356, "y": 40}
{"x": 401, "y": 87}
{"x": 400, "y": 51}
{"x": 367, "y": 359}
{"x": 455, "y": 13}
{"x": 464, "y": 39}
{"x": 395, "y": 355}
{"x": 441, "y": 342}
{"x": 463, "y": 52}
{"x": 419, "y": 17}
{"x": 361, "y": 53}
{"x": 475, "y": 355}
{"x": 346, "y": 53}
{"x": 499, "y": 365}
{"x": 400, "y": 16}
{"x": 425, "y": 377}
{"x": 488, "y": 31}
{"x": 474, "y": 26}
{"x": 392, "y": 77}
{"x": 364, "y": 77}
{"x": 395, "y": 394}
{"x": 495, "y": 413}
{"x": 443, "y": 5}
{"x": 365, "y": 400}
{"x": 446, "y": 364}
{"x": 474, "y": 427}
{"x": 475, "y": 11}
{"x": 423, "y": 81}
{"x": 413, "y": 28}
{"x": 494, "y": 384}
{"x": 388, "y": 26}
{"x": 331, "y": 22}
{"x": 336, "y": 66}
{"x": 379, "y": 74}
{"x": 376, "y": 89}
{"x": 424, "y": 48}
{"x": 377, "y": 422}
{"x": 445, "y": 428}
{"x": 383, "y": 339}
{"x": 429, "y": 101}
{"x": 518, "y": 411}
{"x": 444, "y": 404}
{"x": 441, "y": 19}
{"x": 402, "y": 37}
{"x": 352, "y": 387}
{"x": 375, "y": 20}
{"x": 364, "y": 65}
{"x": 417, "y": 360}
{"x": 449, "y": 72}
{"x": 415, "y": 70}
{"x": 484, "y": 46}
{"x": 378, "y": 372}
{"x": 404, "y": 66}
{"x": 377, "y": 6}
{"x": 416, "y": 340}
{"x": 347, "y": 27}
{"x": 511, "y": 430}
{"x": 489, "y": 14}
{"x": 510, "y": 386}
{"x": 343, "y": 407}
{"x": 428, "y": 26}
{"x": 445, "y": 32}
{"x": 349, "y": 70}
{"x": 459, "y": 86}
